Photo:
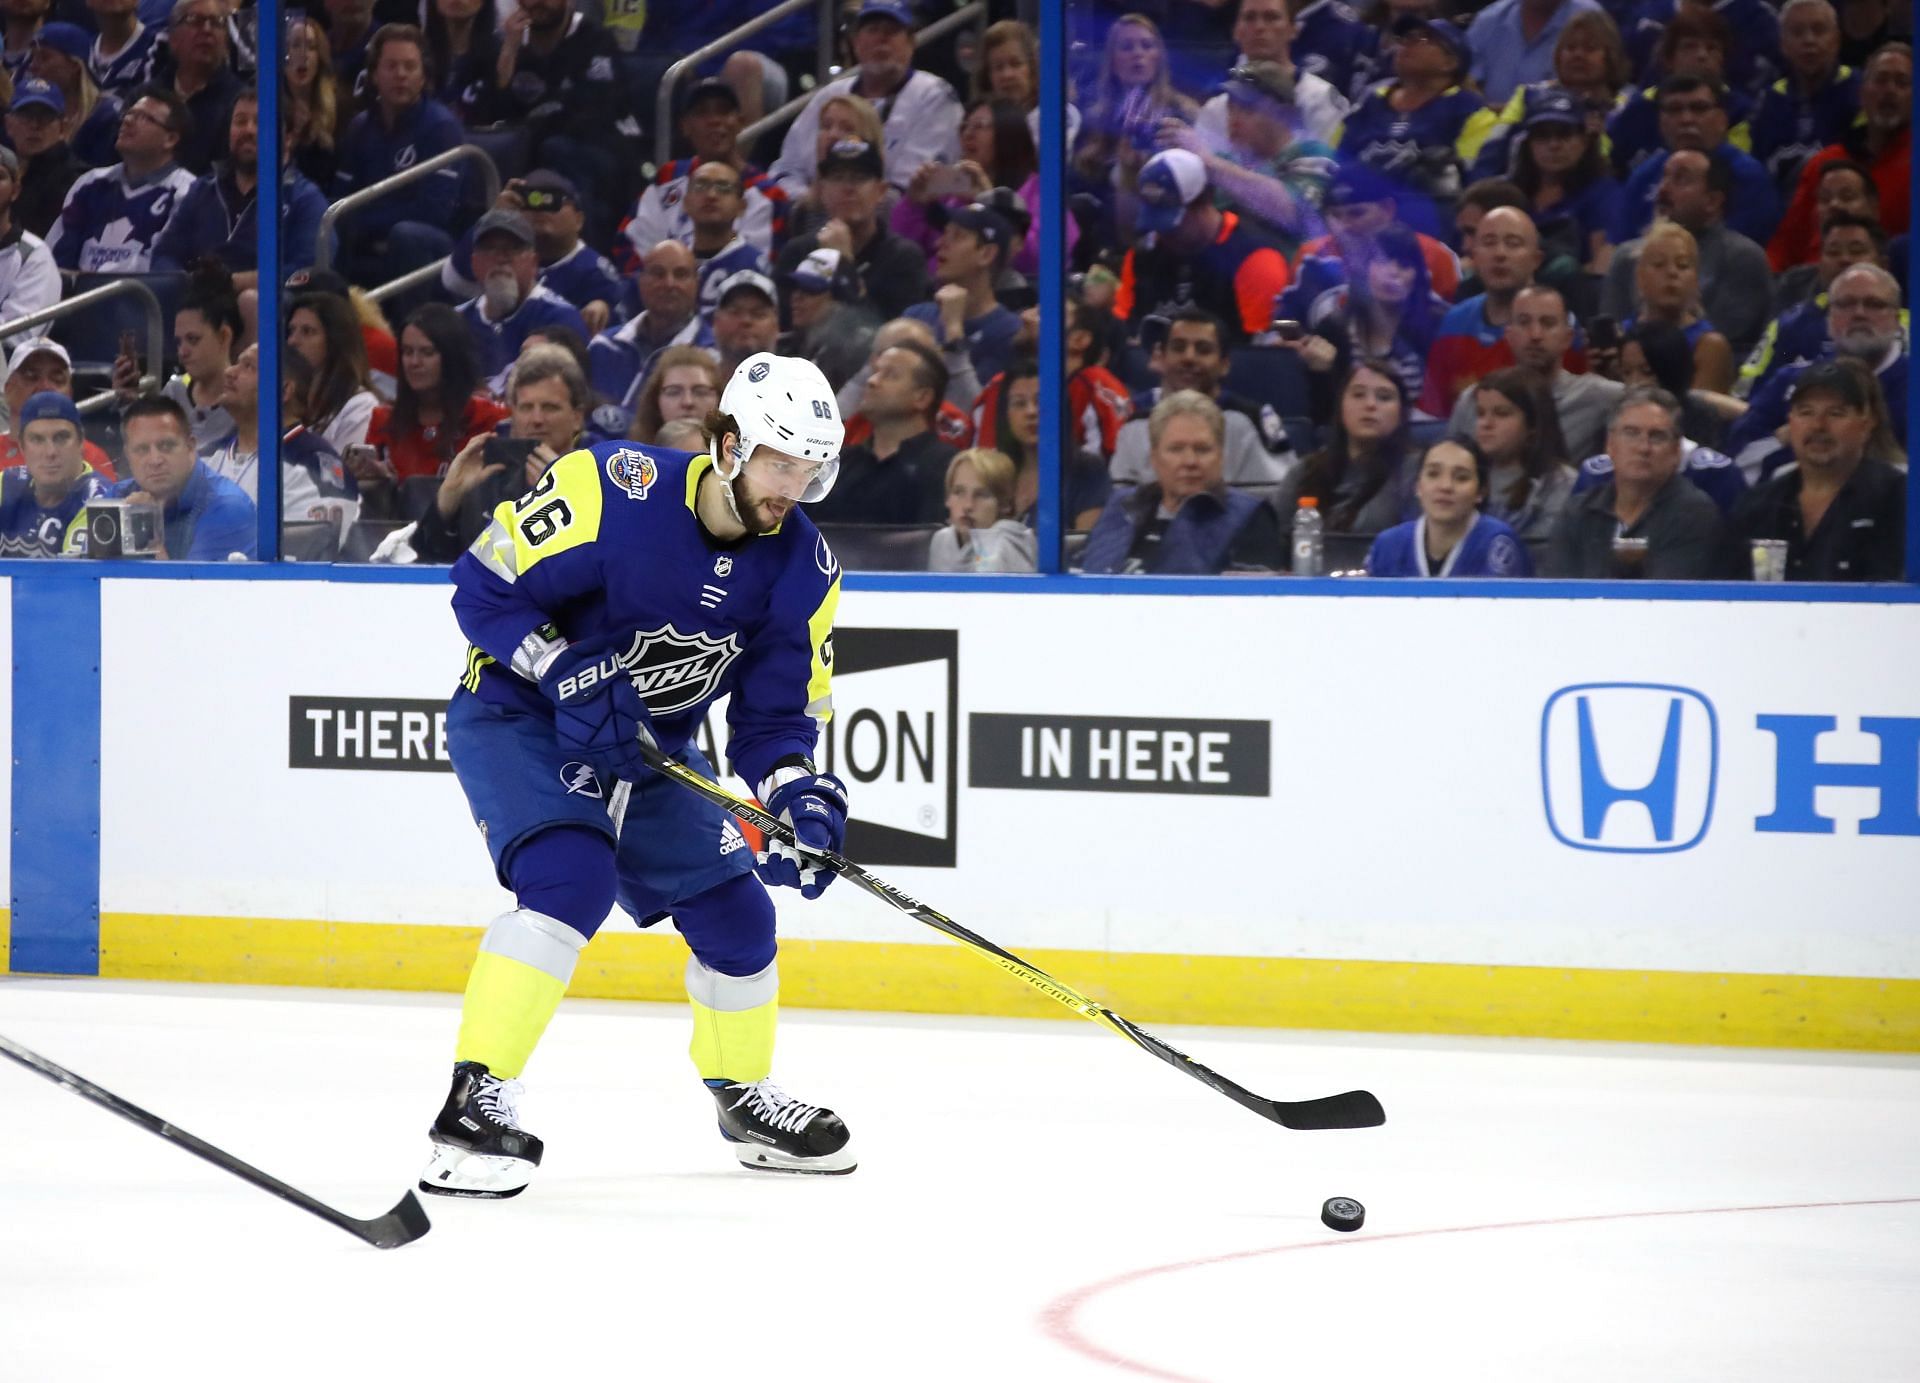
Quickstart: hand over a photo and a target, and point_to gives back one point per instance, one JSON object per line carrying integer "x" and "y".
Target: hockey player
{"x": 610, "y": 605}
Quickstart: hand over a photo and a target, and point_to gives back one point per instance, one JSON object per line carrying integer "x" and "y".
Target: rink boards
{"x": 1678, "y": 820}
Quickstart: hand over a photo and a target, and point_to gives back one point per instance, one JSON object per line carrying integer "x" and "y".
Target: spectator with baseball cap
{"x": 891, "y": 271}
{"x": 569, "y": 267}
{"x": 39, "y": 365}
{"x": 36, "y": 129}
{"x": 1423, "y": 129}
{"x": 41, "y": 499}
{"x": 1842, "y": 511}
{"x": 1265, "y": 31}
{"x": 1264, "y": 168}
{"x": 1198, "y": 253}
{"x": 828, "y": 329}
{"x": 60, "y": 52}
{"x": 29, "y": 279}
{"x": 1559, "y": 166}
{"x": 1513, "y": 43}
{"x": 974, "y": 243}
{"x": 920, "y": 113}
{"x": 710, "y": 123}
{"x": 511, "y": 301}
{"x": 746, "y": 318}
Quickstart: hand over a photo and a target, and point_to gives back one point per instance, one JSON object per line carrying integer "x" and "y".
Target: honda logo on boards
{"x": 1629, "y": 767}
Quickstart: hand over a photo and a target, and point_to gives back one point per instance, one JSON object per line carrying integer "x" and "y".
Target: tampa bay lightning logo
{"x": 758, "y": 373}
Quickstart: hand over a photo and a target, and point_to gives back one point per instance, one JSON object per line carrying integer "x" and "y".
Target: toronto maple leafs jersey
{"x": 110, "y": 222}
{"x": 129, "y": 69}
{"x": 606, "y": 552}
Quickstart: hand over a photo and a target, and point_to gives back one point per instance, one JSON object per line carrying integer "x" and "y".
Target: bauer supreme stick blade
{"x": 403, "y": 1224}
{"x": 1353, "y": 1109}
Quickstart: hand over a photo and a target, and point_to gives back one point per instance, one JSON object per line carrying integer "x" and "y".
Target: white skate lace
{"x": 499, "y": 1101}
{"x": 775, "y": 1107}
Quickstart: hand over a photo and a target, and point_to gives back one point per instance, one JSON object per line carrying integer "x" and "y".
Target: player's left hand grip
{"x": 816, "y": 807}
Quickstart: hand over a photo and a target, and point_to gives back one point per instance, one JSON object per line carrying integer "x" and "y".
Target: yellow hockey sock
{"x": 518, "y": 980}
{"x": 734, "y": 1046}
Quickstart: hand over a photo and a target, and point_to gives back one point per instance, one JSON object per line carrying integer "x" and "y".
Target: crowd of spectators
{"x": 1482, "y": 284}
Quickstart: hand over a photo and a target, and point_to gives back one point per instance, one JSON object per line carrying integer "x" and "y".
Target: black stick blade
{"x": 401, "y": 1225}
{"x": 1354, "y": 1109}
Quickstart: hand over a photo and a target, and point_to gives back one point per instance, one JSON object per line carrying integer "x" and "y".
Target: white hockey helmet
{"x": 783, "y": 402}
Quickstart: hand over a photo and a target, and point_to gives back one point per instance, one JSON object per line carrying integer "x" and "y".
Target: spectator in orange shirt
{"x": 1199, "y": 254}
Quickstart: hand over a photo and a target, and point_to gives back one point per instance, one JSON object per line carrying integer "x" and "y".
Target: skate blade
{"x": 456, "y": 1172}
{"x": 759, "y": 1158}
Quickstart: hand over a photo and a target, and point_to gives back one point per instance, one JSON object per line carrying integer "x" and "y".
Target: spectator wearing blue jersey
{"x": 1453, "y": 536}
{"x": 218, "y": 216}
{"x": 122, "y": 54}
{"x": 93, "y": 117}
{"x": 1423, "y": 129}
{"x": 1558, "y": 165}
{"x": 204, "y": 516}
{"x": 1863, "y": 320}
{"x": 1332, "y": 42}
{"x": 569, "y": 267}
{"x": 36, "y": 130}
{"x": 623, "y": 356}
{"x": 42, "y": 498}
{"x": 973, "y": 248}
{"x": 400, "y": 129}
{"x": 1513, "y": 43}
{"x": 1695, "y": 43}
{"x": 1799, "y": 333}
{"x": 1814, "y": 104}
{"x": 715, "y": 203}
{"x": 511, "y": 301}
{"x": 1589, "y": 63}
{"x": 1693, "y": 117}
{"x": 198, "y": 67}
{"x": 1186, "y": 521}
{"x": 1667, "y": 289}
{"x": 113, "y": 216}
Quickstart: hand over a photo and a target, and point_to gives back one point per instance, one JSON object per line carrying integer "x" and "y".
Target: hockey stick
{"x": 1354, "y": 1109}
{"x": 400, "y": 1225}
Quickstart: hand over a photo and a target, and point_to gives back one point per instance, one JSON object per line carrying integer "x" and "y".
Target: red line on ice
{"x": 1059, "y": 1323}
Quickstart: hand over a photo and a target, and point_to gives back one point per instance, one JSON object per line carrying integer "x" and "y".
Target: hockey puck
{"x": 1344, "y": 1214}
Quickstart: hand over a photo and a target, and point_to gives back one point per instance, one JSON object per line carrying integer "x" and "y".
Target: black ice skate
{"x": 772, "y": 1132}
{"x": 479, "y": 1148}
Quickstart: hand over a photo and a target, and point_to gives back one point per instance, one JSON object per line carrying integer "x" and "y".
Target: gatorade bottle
{"x": 1309, "y": 558}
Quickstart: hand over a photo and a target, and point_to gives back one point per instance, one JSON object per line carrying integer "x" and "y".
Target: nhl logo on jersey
{"x": 632, "y": 471}
{"x": 723, "y": 565}
{"x": 674, "y": 671}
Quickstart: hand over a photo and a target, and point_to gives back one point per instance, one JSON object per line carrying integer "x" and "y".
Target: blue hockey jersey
{"x": 1712, "y": 473}
{"x": 1490, "y": 548}
{"x": 497, "y": 344}
{"x": 1333, "y": 43}
{"x": 371, "y": 152}
{"x": 110, "y": 222}
{"x": 129, "y": 69}
{"x": 1426, "y": 152}
{"x": 29, "y": 528}
{"x": 1790, "y": 126}
{"x": 606, "y": 551}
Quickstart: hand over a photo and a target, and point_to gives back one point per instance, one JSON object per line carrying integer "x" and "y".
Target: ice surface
{"x": 1035, "y": 1201}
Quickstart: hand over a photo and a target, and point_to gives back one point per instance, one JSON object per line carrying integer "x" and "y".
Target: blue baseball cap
{"x": 70, "y": 39}
{"x": 898, "y": 11}
{"x": 47, "y": 404}
{"x": 1551, "y": 105}
{"x": 33, "y": 91}
{"x": 1442, "y": 32}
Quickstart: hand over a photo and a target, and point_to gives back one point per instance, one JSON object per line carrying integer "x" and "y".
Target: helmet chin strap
{"x": 734, "y": 454}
